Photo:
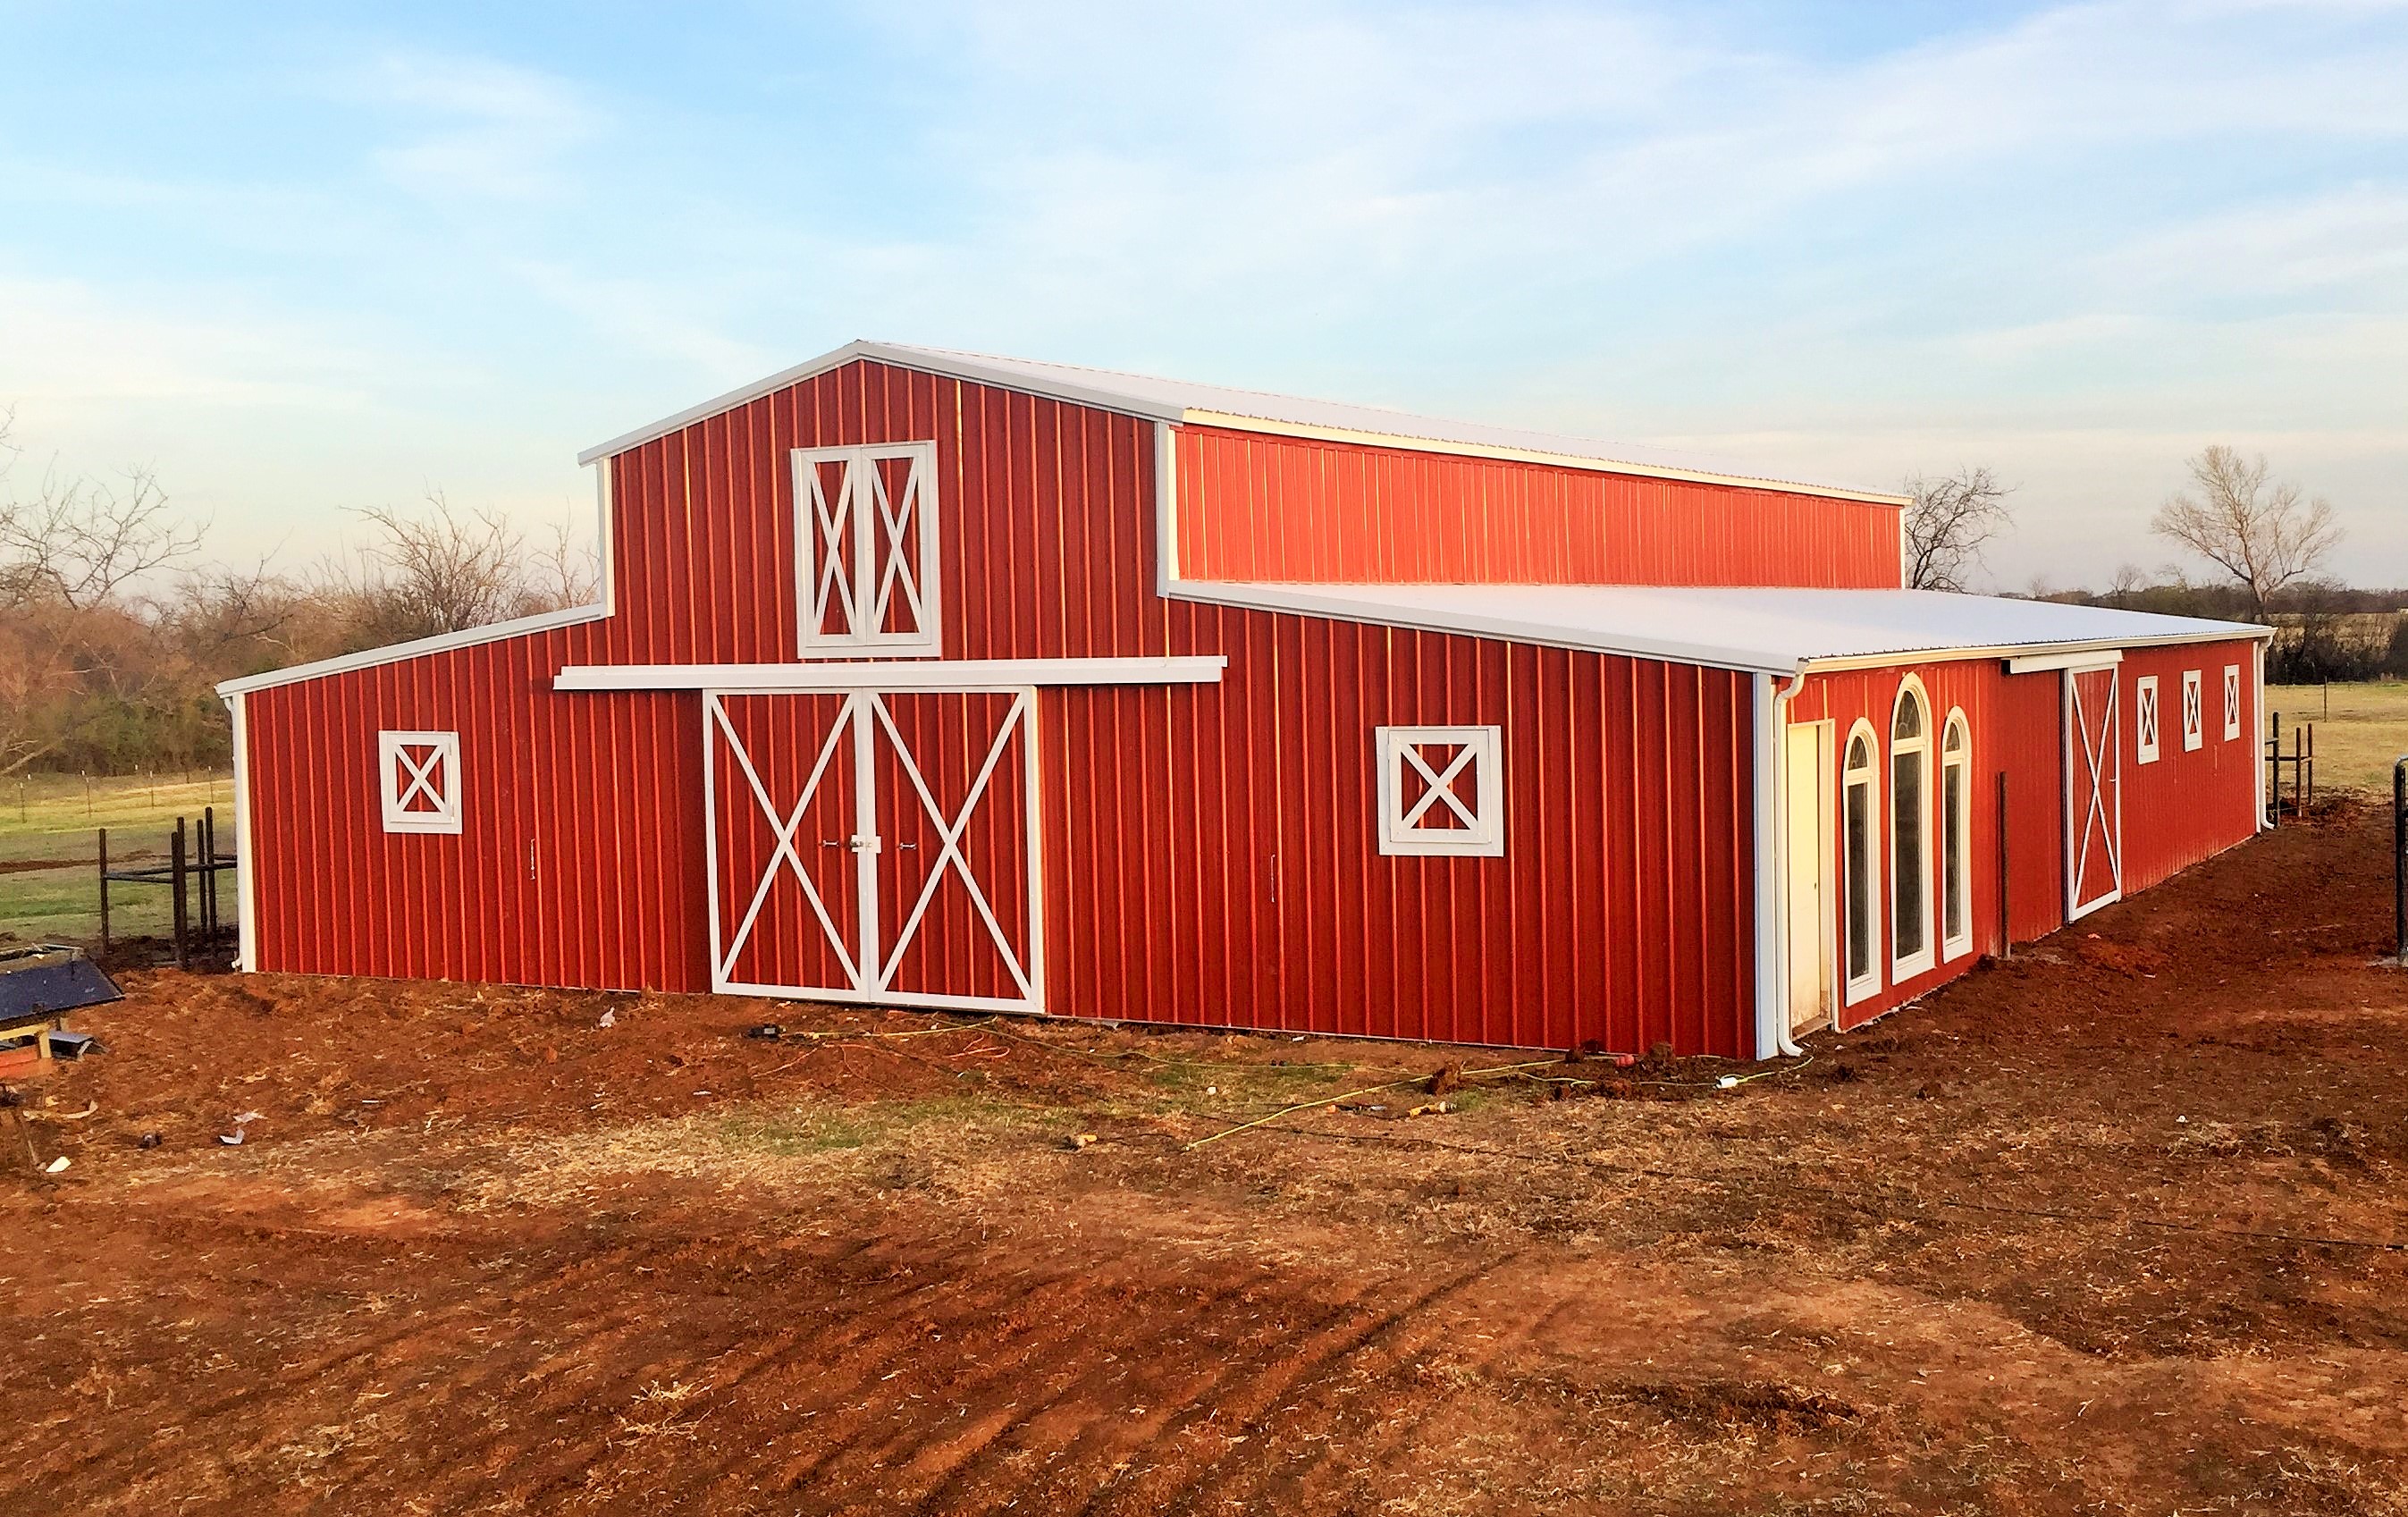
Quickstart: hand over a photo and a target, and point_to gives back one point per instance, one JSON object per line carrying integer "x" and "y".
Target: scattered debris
{"x": 1080, "y": 1140}
{"x": 74, "y": 1045}
{"x": 768, "y": 1032}
{"x": 1430, "y": 1108}
{"x": 57, "y": 1165}
{"x": 609, "y": 1019}
{"x": 150, "y": 1141}
{"x": 232, "y": 1140}
{"x": 1728, "y": 1082}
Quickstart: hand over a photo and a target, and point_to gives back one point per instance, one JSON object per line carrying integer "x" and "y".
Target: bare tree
{"x": 2263, "y": 534}
{"x": 75, "y": 541}
{"x": 442, "y": 571}
{"x": 1948, "y": 522}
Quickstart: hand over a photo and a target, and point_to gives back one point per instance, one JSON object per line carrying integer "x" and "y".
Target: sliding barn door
{"x": 875, "y": 845}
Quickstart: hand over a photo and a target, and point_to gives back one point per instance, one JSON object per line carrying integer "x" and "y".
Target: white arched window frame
{"x": 1860, "y": 852}
{"x": 1911, "y": 948}
{"x": 1955, "y": 837}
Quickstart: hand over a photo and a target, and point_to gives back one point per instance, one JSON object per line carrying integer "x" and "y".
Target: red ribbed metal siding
{"x": 1207, "y": 850}
{"x": 2175, "y": 812}
{"x": 2188, "y": 805}
{"x": 1255, "y": 507}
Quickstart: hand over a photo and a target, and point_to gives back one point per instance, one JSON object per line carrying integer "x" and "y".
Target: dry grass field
{"x": 2114, "y": 1227}
{"x": 2361, "y": 730}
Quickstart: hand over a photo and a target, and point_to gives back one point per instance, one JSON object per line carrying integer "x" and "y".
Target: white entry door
{"x": 875, "y": 845}
{"x": 1807, "y": 852}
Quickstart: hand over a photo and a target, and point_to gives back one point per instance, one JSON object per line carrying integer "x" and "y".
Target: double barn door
{"x": 875, "y": 845}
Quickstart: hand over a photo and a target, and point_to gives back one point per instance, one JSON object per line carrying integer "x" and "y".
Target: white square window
{"x": 2232, "y": 701}
{"x": 2144, "y": 719}
{"x": 419, "y": 773}
{"x": 1442, "y": 791}
{"x": 866, "y": 568}
{"x": 2194, "y": 712}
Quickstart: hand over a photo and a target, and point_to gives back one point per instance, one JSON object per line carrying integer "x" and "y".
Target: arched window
{"x": 1859, "y": 828}
{"x": 1910, "y": 832}
{"x": 1956, "y": 838}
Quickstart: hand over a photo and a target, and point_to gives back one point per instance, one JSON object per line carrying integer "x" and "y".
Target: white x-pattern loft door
{"x": 877, "y": 846}
{"x": 2094, "y": 791}
{"x": 865, "y": 534}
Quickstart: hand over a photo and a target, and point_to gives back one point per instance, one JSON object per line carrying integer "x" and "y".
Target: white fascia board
{"x": 2089, "y": 653}
{"x": 951, "y": 367}
{"x": 1425, "y": 619}
{"x": 956, "y": 674}
{"x": 1233, "y": 421}
{"x": 420, "y": 648}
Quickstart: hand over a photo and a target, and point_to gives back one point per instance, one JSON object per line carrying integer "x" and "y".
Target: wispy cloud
{"x": 477, "y": 128}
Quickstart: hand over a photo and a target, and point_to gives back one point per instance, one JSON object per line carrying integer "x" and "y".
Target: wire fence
{"x": 50, "y": 852}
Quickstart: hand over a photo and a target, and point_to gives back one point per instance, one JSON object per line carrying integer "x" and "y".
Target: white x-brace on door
{"x": 875, "y": 845}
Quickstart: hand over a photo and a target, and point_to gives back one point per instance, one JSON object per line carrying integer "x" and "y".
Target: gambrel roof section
{"x": 1180, "y": 402}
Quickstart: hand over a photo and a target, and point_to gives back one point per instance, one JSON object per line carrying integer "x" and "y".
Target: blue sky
{"x": 310, "y": 258}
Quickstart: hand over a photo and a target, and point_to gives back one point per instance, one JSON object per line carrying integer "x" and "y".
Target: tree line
{"x": 115, "y": 631}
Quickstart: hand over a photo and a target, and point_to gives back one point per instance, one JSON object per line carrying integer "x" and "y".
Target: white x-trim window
{"x": 2232, "y": 701}
{"x": 2144, "y": 719}
{"x": 865, "y": 572}
{"x": 419, "y": 774}
{"x": 2194, "y": 712}
{"x": 1442, "y": 791}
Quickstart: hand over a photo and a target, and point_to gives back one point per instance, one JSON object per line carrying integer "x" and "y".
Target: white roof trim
{"x": 1756, "y": 630}
{"x": 956, "y": 674}
{"x": 1182, "y": 403}
{"x": 417, "y": 647}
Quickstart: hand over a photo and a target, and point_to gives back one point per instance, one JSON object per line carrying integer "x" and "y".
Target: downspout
{"x": 1773, "y": 1039}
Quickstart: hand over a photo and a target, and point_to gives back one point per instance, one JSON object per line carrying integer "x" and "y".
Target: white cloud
{"x": 479, "y": 129}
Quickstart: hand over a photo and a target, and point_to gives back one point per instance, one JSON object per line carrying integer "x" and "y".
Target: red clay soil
{"x": 2113, "y": 1227}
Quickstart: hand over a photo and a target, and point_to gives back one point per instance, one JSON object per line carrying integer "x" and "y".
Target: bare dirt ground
{"x": 2114, "y": 1227}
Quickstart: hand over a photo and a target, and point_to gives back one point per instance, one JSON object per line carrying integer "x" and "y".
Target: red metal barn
{"x": 926, "y": 679}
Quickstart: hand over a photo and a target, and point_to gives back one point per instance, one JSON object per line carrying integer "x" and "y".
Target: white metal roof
{"x": 1180, "y": 402}
{"x": 1765, "y": 629}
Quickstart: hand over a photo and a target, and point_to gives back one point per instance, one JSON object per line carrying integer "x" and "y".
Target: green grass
{"x": 57, "y": 804}
{"x": 55, "y": 817}
{"x": 2361, "y": 730}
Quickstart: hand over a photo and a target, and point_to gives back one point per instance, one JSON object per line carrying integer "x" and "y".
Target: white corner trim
{"x": 2078, "y": 660}
{"x": 1166, "y": 507}
{"x": 948, "y": 674}
{"x": 567, "y": 616}
{"x": 246, "y": 920}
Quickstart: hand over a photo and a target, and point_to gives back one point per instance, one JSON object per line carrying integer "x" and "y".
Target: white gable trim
{"x": 1101, "y": 396}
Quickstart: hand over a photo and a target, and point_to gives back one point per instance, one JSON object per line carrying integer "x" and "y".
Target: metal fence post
{"x": 176, "y": 875}
{"x": 103, "y": 892}
{"x": 2400, "y": 861}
